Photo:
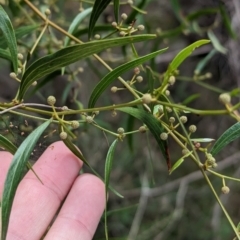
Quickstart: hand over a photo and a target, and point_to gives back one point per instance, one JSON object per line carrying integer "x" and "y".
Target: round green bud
{"x": 171, "y": 80}
{"x": 225, "y": 98}
{"x": 172, "y": 119}
{"x": 51, "y": 100}
{"x": 114, "y": 24}
{"x": 225, "y": 190}
{"x": 136, "y": 70}
{"x": 164, "y": 136}
{"x": 20, "y": 56}
{"x": 183, "y": 119}
{"x": 139, "y": 78}
{"x": 34, "y": 83}
{"x": 47, "y": 12}
{"x": 168, "y": 109}
{"x": 130, "y": 2}
{"x": 19, "y": 71}
{"x": 64, "y": 108}
{"x": 146, "y": 98}
{"x": 89, "y": 119}
{"x": 142, "y": 129}
{"x": 214, "y": 165}
{"x": 97, "y": 36}
{"x": 192, "y": 128}
{"x": 122, "y": 33}
{"x": 13, "y": 75}
{"x": 114, "y": 113}
{"x": 63, "y": 135}
{"x": 114, "y": 89}
{"x": 140, "y": 27}
{"x": 185, "y": 151}
{"x": 167, "y": 92}
{"x": 120, "y": 130}
{"x": 75, "y": 124}
{"x": 124, "y": 16}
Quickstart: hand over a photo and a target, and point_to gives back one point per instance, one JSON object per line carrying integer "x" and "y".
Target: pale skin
{"x": 35, "y": 205}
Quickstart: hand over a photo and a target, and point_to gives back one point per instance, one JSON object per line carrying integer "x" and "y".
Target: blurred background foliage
{"x": 155, "y": 205}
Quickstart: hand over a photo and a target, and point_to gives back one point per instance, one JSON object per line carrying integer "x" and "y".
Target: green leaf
{"x": 111, "y": 76}
{"x": 98, "y": 8}
{"x": 15, "y": 174}
{"x": 5, "y": 54}
{"x": 108, "y": 168}
{"x": 74, "y": 25}
{"x": 181, "y": 56}
{"x": 153, "y": 125}
{"x": 108, "y": 164}
{"x": 68, "y": 55}
{"x": 228, "y": 136}
{"x": 116, "y": 9}
{"x": 227, "y": 21}
{"x": 8, "y": 33}
{"x": 7, "y": 145}
{"x": 186, "y": 52}
{"x": 202, "y": 12}
{"x": 20, "y": 32}
{"x": 217, "y": 45}
{"x": 176, "y": 165}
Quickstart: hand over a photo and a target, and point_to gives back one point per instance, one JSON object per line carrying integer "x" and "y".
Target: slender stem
{"x": 221, "y": 205}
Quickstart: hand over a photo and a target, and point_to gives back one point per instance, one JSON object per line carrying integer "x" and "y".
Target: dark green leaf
{"x": 116, "y": 9}
{"x": 129, "y": 128}
{"x": 68, "y": 55}
{"x": 227, "y": 21}
{"x": 202, "y": 12}
{"x": 177, "y": 9}
{"x": 5, "y": 54}
{"x": 228, "y": 136}
{"x": 108, "y": 163}
{"x": 20, "y": 32}
{"x": 98, "y": 8}
{"x": 111, "y": 76}
{"x": 9, "y": 35}
{"x": 7, "y": 145}
{"x": 191, "y": 98}
{"x": 15, "y": 173}
{"x": 97, "y": 29}
{"x": 153, "y": 125}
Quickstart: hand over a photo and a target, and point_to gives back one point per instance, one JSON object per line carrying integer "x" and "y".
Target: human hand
{"x": 35, "y": 205}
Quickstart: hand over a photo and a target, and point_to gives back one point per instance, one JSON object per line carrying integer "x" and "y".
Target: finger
{"x": 5, "y": 160}
{"x": 81, "y": 212}
{"x": 35, "y": 204}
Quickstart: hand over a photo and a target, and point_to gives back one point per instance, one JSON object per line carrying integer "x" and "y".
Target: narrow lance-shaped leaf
{"x": 71, "y": 54}
{"x": 98, "y": 8}
{"x": 20, "y": 32}
{"x": 7, "y": 145}
{"x": 112, "y": 76}
{"x": 154, "y": 126}
{"x": 181, "y": 56}
{"x": 15, "y": 173}
{"x": 8, "y": 33}
{"x": 5, "y": 54}
{"x": 228, "y": 136}
{"x": 74, "y": 25}
{"x": 116, "y": 9}
{"x": 217, "y": 45}
{"x": 108, "y": 164}
{"x": 108, "y": 168}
